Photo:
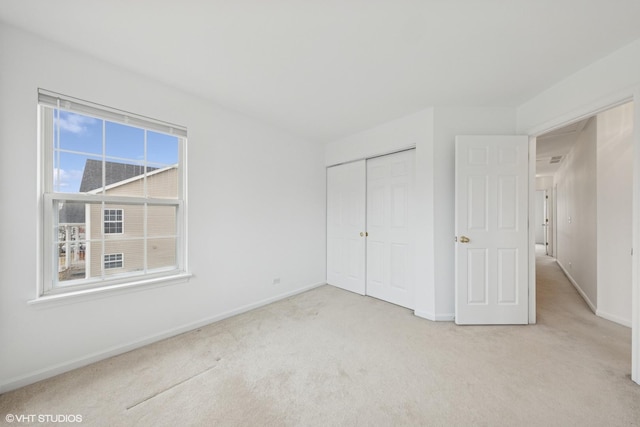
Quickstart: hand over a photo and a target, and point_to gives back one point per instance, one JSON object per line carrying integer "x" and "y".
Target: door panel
{"x": 492, "y": 212}
{"x": 477, "y": 276}
{"x": 346, "y": 187}
{"x": 390, "y": 243}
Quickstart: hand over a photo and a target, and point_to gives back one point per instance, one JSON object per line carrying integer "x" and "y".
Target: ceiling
{"x": 326, "y": 69}
{"x": 552, "y": 147}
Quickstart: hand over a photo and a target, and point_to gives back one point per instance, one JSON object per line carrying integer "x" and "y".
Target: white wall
{"x": 615, "y": 176}
{"x": 433, "y": 132}
{"x": 544, "y": 183}
{"x": 605, "y": 82}
{"x": 577, "y": 222}
{"x": 256, "y": 211}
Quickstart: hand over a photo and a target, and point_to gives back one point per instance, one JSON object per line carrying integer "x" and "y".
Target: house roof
{"x": 114, "y": 172}
{"x": 71, "y": 213}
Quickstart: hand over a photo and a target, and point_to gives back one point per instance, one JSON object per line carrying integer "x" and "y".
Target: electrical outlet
{"x": 276, "y": 281}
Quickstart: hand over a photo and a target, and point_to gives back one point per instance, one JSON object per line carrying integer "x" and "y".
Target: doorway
{"x": 542, "y": 220}
{"x": 588, "y": 165}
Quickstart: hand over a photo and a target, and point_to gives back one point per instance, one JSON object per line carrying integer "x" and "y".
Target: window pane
{"x": 71, "y": 261}
{"x": 161, "y": 253}
{"x": 161, "y": 221}
{"x": 76, "y": 173}
{"x": 71, "y": 240}
{"x": 163, "y": 183}
{"x": 113, "y": 261}
{"x": 162, "y": 149}
{"x": 71, "y": 214}
{"x": 71, "y": 254}
{"x": 124, "y": 179}
{"x": 79, "y": 133}
{"x": 122, "y": 221}
{"x": 132, "y": 252}
{"x": 124, "y": 143}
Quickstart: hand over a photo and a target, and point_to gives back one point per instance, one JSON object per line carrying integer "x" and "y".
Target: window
{"x": 112, "y": 188}
{"x": 113, "y": 261}
{"x": 113, "y": 221}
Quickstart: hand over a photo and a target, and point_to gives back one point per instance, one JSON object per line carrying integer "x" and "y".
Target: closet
{"x": 370, "y": 227}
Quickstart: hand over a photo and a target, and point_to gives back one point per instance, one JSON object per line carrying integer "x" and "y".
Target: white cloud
{"x": 67, "y": 181}
{"x": 75, "y": 123}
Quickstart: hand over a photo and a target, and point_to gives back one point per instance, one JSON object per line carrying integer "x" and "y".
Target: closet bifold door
{"x": 346, "y": 233}
{"x": 390, "y": 227}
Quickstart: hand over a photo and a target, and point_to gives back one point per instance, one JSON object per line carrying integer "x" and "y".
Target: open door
{"x": 491, "y": 229}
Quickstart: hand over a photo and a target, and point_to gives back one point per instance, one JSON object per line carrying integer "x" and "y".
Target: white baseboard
{"x": 435, "y": 317}
{"x": 584, "y": 296}
{"x": 51, "y": 371}
{"x": 612, "y": 317}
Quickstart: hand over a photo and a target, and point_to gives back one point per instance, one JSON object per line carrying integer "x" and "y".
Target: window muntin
{"x": 109, "y": 188}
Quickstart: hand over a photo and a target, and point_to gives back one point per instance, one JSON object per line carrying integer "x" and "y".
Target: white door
{"x": 491, "y": 230}
{"x": 346, "y": 193}
{"x": 390, "y": 241}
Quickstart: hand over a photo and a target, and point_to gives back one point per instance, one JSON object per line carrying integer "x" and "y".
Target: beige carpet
{"x": 331, "y": 358}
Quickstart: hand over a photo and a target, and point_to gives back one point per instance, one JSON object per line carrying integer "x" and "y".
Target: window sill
{"x": 88, "y": 294}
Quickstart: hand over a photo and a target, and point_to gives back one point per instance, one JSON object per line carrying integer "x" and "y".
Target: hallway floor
{"x": 561, "y": 309}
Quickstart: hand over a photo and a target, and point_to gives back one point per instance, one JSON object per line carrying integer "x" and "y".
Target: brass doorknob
{"x": 464, "y": 239}
{"x": 361, "y": 234}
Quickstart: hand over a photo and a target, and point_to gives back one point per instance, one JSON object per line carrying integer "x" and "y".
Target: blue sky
{"x": 81, "y": 139}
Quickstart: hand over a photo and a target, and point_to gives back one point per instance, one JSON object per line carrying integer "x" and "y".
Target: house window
{"x": 113, "y": 186}
{"x": 113, "y": 221}
{"x": 113, "y": 261}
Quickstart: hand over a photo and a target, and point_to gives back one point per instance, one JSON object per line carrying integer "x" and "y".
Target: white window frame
{"x": 120, "y": 260}
{"x": 48, "y": 287}
{"x": 121, "y": 221}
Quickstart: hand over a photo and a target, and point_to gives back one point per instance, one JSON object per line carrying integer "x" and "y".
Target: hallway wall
{"x": 577, "y": 222}
{"x": 614, "y": 183}
{"x": 594, "y": 206}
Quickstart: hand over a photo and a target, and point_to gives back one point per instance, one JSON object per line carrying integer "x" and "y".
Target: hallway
{"x": 563, "y": 311}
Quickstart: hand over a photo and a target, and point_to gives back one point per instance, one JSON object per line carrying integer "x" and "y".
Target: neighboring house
{"x": 121, "y": 248}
